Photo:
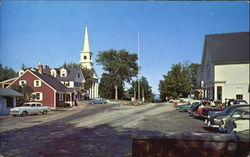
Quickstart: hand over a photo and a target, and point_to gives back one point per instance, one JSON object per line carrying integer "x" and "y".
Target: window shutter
{"x": 41, "y": 96}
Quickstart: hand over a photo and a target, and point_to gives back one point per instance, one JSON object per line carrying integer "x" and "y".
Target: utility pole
{"x": 139, "y": 96}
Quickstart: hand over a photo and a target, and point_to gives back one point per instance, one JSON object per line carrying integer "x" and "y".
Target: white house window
{"x": 37, "y": 83}
{"x": 84, "y": 57}
{"x": 37, "y": 96}
{"x": 63, "y": 73}
{"x": 239, "y": 96}
{"x": 53, "y": 73}
{"x": 22, "y": 82}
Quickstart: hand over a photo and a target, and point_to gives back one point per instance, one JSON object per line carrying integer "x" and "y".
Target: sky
{"x": 51, "y": 32}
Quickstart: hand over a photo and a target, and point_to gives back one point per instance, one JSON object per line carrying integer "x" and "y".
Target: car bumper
{"x": 15, "y": 113}
{"x": 208, "y": 124}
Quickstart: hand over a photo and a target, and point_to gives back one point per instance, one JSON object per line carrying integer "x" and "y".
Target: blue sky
{"x": 170, "y": 32}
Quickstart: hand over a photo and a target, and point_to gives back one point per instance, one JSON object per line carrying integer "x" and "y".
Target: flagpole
{"x": 138, "y": 53}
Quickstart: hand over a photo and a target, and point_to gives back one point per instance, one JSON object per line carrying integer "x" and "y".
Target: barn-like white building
{"x": 224, "y": 73}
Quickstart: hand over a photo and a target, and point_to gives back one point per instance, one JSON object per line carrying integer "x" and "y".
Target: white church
{"x": 86, "y": 60}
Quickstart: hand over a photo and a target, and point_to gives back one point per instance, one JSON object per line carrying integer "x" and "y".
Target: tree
{"x": 88, "y": 75}
{"x": 192, "y": 73}
{"x": 145, "y": 89}
{"x": 6, "y": 73}
{"x": 70, "y": 65}
{"x": 106, "y": 88}
{"x": 176, "y": 83}
{"x": 25, "y": 90}
{"x": 120, "y": 66}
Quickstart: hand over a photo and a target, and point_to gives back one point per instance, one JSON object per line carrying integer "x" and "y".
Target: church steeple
{"x": 86, "y": 55}
{"x": 86, "y": 41}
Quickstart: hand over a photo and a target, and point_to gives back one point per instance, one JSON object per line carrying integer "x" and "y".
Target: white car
{"x": 241, "y": 125}
{"x": 29, "y": 108}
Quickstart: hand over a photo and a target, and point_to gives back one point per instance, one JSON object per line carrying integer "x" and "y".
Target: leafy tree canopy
{"x": 6, "y": 73}
{"x": 178, "y": 81}
{"x": 120, "y": 66}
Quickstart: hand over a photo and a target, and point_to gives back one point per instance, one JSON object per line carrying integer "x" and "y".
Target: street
{"x": 90, "y": 130}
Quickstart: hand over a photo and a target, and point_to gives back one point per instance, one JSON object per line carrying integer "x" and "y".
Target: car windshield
{"x": 26, "y": 105}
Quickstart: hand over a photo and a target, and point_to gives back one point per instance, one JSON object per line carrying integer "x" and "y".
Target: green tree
{"x": 6, "y": 73}
{"x": 25, "y": 90}
{"x": 145, "y": 89}
{"x": 70, "y": 65}
{"x": 106, "y": 88}
{"x": 88, "y": 75}
{"x": 176, "y": 83}
{"x": 192, "y": 73}
{"x": 120, "y": 66}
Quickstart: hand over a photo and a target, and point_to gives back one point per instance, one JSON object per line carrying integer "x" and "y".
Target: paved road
{"x": 89, "y": 130}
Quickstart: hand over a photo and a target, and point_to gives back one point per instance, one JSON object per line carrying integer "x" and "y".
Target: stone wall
{"x": 188, "y": 145}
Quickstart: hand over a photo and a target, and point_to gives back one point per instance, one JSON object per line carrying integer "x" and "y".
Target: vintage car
{"x": 240, "y": 125}
{"x": 98, "y": 101}
{"x": 203, "y": 112}
{"x": 189, "y": 105}
{"x": 242, "y": 113}
{"x": 30, "y": 108}
{"x": 214, "y": 117}
{"x": 182, "y": 101}
{"x": 230, "y": 102}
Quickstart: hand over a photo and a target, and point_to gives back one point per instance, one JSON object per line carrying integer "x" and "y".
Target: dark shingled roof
{"x": 228, "y": 48}
{"x": 53, "y": 82}
{"x": 72, "y": 73}
{"x": 9, "y": 92}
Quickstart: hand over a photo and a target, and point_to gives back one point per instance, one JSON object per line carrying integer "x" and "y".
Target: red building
{"x": 46, "y": 89}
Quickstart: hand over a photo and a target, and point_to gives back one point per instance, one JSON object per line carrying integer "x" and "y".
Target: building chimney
{"x": 40, "y": 68}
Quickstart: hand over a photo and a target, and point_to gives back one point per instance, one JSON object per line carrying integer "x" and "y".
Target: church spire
{"x": 86, "y": 41}
{"x": 86, "y": 55}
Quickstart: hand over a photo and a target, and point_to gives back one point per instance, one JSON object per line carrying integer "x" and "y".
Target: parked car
{"x": 184, "y": 101}
{"x": 230, "y": 102}
{"x": 240, "y": 126}
{"x": 30, "y": 108}
{"x": 214, "y": 117}
{"x": 98, "y": 101}
{"x": 237, "y": 114}
{"x": 189, "y": 105}
{"x": 203, "y": 112}
{"x": 194, "y": 107}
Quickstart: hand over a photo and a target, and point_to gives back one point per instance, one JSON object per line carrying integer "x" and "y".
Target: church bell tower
{"x": 86, "y": 55}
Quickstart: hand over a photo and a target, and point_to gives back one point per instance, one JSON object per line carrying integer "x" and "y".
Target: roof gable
{"x": 227, "y": 48}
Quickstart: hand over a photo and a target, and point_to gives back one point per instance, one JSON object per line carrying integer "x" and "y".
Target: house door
{"x": 9, "y": 102}
{"x": 219, "y": 93}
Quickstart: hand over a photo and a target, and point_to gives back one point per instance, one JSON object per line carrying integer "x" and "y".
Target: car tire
{"x": 24, "y": 113}
{"x": 45, "y": 112}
